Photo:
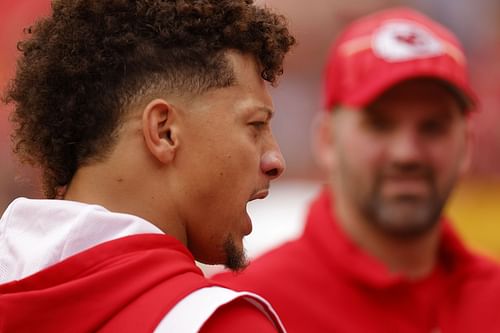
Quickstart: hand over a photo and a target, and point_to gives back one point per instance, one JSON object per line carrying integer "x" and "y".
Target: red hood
{"x": 52, "y": 299}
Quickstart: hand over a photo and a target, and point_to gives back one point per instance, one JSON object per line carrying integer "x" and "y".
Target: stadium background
{"x": 475, "y": 206}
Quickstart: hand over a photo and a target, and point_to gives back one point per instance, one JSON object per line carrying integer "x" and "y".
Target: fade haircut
{"x": 81, "y": 67}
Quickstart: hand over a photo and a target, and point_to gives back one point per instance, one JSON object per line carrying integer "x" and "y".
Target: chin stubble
{"x": 235, "y": 258}
{"x": 405, "y": 216}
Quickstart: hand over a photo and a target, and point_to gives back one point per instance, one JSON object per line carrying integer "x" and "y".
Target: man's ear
{"x": 159, "y": 130}
{"x": 323, "y": 140}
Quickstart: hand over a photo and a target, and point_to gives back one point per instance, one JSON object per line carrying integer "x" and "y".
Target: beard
{"x": 236, "y": 259}
{"x": 405, "y": 215}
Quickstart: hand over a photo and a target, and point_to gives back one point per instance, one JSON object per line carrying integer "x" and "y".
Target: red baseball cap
{"x": 383, "y": 49}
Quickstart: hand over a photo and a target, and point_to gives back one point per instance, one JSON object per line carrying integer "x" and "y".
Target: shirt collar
{"x": 345, "y": 257}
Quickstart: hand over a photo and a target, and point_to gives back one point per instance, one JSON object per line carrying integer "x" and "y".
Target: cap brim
{"x": 370, "y": 91}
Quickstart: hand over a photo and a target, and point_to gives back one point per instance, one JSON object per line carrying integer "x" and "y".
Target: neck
{"x": 120, "y": 190}
{"x": 413, "y": 257}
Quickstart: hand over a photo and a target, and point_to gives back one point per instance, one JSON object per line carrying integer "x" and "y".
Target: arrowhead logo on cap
{"x": 404, "y": 40}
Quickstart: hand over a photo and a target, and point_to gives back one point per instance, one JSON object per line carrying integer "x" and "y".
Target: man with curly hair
{"x": 150, "y": 122}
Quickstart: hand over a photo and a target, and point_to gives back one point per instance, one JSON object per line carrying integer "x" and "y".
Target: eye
{"x": 434, "y": 127}
{"x": 378, "y": 124}
{"x": 258, "y": 124}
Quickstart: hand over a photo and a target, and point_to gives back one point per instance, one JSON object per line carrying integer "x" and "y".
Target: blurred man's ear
{"x": 323, "y": 140}
{"x": 159, "y": 130}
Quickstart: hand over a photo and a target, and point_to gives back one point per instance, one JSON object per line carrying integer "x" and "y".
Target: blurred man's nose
{"x": 407, "y": 147}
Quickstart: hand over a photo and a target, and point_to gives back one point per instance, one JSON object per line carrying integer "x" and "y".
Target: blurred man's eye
{"x": 434, "y": 127}
{"x": 379, "y": 124}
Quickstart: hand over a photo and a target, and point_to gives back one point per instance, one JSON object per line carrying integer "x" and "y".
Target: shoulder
{"x": 239, "y": 315}
{"x": 218, "y": 309}
{"x": 483, "y": 270}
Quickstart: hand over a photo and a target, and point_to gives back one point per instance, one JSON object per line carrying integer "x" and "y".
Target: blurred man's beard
{"x": 235, "y": 258}
{"x": 405, "y": 216}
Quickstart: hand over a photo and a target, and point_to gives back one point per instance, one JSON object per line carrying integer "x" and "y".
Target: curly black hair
{"x": 80, "y": 68}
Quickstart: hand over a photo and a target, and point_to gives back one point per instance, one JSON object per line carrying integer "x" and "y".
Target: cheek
{"x": 358, "y": 162}
{"x": 243, "y": 155}
{"x": 235, "y": 170}
{"x": 448, "y": 158}
{"x": 362, "y": 152}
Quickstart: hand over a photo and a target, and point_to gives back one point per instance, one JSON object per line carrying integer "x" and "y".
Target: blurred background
{"x": 475, "y": 206}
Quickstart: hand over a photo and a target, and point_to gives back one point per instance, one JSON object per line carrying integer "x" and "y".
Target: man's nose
{"x": 272, "y": 163}
{"x": 407, "y": 147}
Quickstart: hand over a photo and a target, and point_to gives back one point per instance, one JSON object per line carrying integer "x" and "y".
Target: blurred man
{"x": 150, "y": 121}
{"x": 376, "y": 254}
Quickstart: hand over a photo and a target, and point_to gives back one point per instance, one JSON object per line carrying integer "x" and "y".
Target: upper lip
{"x": 260, "y": 194}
